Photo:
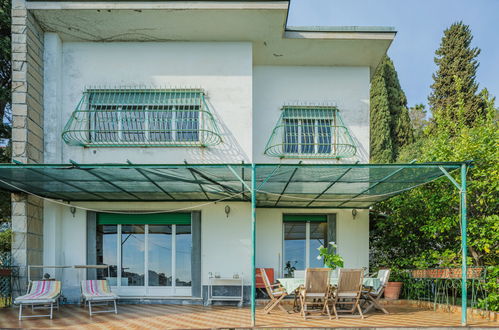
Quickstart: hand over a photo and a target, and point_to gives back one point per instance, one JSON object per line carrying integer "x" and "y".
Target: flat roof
{"x": 263, "y": 23}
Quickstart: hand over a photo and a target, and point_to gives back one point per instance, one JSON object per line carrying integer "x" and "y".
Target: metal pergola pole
{"x": 253, "y": 244}
{"x": 464, "y": 247}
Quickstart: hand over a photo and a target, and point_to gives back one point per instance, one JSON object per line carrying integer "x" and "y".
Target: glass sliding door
{"x": 295, "y": 242}
{"x": 106, "y": 245}
{"x": 153, "y": 259}
{"x": 160, "y": 255}
{"x": 301, "y": 239}
{"x": 132, "y": 255}
{"x": 183, "y": 251}
{"x": 318, "y": 237}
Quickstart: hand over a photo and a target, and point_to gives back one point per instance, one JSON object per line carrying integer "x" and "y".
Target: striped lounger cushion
{"x": 41, "y": 292}
{"x": 97, "y": 290}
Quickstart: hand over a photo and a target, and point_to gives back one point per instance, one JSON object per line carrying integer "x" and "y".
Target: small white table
{"x": 225, "y": 281}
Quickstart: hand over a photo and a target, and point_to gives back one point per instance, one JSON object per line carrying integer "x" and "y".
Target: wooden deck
{"x": 192, "y": 316}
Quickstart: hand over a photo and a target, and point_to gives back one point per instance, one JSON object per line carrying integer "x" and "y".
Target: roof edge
{"x": 352, "y": 28}
{"x": 159, "y": 4}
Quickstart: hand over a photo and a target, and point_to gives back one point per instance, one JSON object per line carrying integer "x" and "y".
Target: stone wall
{"x": 27, "y": 134}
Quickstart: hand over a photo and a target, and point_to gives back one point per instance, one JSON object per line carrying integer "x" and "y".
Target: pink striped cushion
{"x": 96, "y": 288}
{"x": 42, "y": 290}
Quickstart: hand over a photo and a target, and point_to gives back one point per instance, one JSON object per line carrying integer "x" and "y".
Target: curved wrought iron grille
{"x": 310, "y": 132}
{"x": 142, "y": 118}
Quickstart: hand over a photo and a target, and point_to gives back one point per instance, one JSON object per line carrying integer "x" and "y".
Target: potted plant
{"x": 290, "y": 269}
{"x": 394, "y": 285}
{"x": 331, "y": 259}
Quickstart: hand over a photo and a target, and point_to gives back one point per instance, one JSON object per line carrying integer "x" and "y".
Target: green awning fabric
{"x": 278, "y": 185}
{"x": 304, "y": 218}
{"x": 139, "y": 219}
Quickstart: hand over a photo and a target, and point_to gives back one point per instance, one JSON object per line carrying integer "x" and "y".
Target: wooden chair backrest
{"x": 383, "y": 275}
{"x": 350, "y": 280}
{"x": 317, "y": 280}
{"x": 266, "y": 281}
{"x": 260, "y": 284}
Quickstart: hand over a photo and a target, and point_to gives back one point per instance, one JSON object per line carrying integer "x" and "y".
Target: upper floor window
{"x": 142, "y": 117}
{"x": 310, "y": 132}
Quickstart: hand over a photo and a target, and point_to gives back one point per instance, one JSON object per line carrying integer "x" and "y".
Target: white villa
{"x": 144, "y": 119}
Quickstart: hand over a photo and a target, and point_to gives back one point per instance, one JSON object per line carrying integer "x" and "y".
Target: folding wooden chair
{"x": 316, "y": 292}
{"x": 348, "y": 292}
{"x": 372, "y": 297}
{"x": 276, "y": 293}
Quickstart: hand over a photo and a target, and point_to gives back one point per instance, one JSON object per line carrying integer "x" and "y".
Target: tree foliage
{"x": 390, "y": 123}
{"x": 456, "y": 59}
{"x": 421, "y": 228}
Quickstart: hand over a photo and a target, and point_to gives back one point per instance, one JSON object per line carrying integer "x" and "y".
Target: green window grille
{"x": 142, "y": 117}
{"x": 310, "y": 132}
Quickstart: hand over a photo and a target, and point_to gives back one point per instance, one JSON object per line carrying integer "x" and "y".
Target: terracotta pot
{"x": 392, "y": 290}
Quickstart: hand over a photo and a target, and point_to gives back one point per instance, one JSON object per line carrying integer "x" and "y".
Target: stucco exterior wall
{"x": 225, "y": 241}
{"x": 223, "y": 70}
{"x": 352, "y": 236}
{"x": 345, "y": 87}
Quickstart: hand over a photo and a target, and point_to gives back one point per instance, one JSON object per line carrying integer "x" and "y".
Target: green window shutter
{"x": 304, "y": 218}
{"x": 139, "y": 219}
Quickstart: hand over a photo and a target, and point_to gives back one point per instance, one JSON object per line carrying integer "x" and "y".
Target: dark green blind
{"x": 305, "y": 218}
{"x": 139, "y": 219}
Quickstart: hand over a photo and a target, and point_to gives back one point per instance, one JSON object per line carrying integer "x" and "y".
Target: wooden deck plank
{"x": 195, "y": 317}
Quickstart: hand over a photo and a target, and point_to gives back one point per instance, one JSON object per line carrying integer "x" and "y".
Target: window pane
{"x": 307, "y": 136}
{"x": 294, "y": 246}
{"x": 106, "y": 252}
{"x": 183, "y": 246}
{"x": 290, "y": 136}
{"x": 104, "y": 123}
{"x": 132, "y": 255}
{"x": 160, "y": 124}
{"x": 318, "y": 237}
{"x": 324, "y": 132}
{"x": 133, "y": 123}
{"x": 160, "y": 255}
{"x": 188, "y": 123}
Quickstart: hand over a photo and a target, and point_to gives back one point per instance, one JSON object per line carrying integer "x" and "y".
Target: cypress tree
{"x": 456, "y": 60}
{"x": 390, "y": 123}
{"x": 381, "y": 148}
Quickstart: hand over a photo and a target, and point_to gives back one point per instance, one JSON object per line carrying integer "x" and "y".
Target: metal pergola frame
{"x": 11, "y": 179}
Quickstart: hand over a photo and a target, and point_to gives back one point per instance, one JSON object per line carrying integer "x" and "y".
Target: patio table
{"x": 291, "y": 284}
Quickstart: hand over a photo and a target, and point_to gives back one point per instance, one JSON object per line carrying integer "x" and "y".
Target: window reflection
{"x": 318, "y": 237}
{"x": 160, "y": 255}
{"x": 294, "y": 246}
{"x": 106, "y": 241}
{"x": 183, "y": 246}
{"x": 132, "y": 255}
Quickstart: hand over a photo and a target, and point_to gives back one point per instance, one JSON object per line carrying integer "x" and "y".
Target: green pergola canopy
{"x": 277, "y": 185}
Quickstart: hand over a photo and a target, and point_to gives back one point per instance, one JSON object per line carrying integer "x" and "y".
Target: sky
{"x": 420, "y": 25}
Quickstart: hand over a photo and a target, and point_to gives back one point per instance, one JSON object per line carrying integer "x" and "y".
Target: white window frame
{"x": 315, "y": 142}
{"x": 146, "y": 290}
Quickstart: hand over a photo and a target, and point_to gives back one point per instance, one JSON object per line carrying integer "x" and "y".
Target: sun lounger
{"x": 44, "y": 293}
{"x": 97, "y": 292}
